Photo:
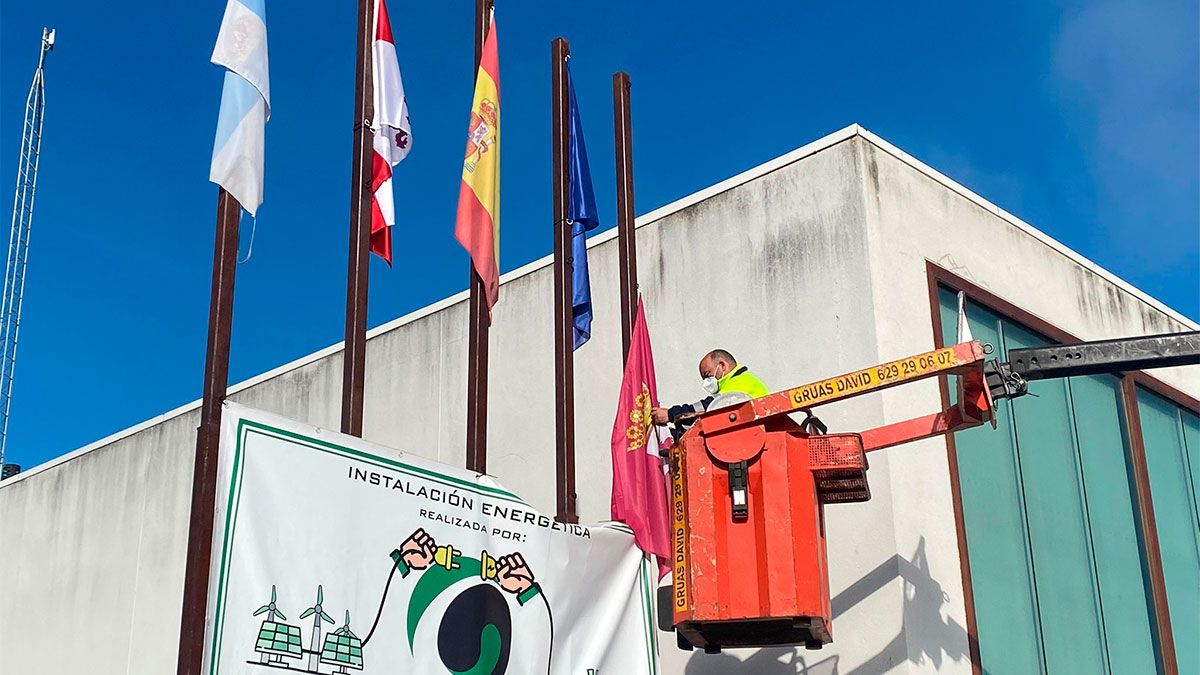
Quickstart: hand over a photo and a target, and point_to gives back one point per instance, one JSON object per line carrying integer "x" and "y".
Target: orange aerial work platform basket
{"x": 749, "y": 487}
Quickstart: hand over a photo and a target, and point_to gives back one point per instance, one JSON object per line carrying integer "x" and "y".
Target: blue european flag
{"x": 583, "y": 218}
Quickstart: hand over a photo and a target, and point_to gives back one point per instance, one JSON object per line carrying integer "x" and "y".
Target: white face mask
{"x": 710, "y": 385}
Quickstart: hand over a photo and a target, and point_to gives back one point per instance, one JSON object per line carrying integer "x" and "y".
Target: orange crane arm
{"x": 961, "y": 359}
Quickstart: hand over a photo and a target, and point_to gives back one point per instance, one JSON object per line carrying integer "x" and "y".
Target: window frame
{"x": 937, "y": 277}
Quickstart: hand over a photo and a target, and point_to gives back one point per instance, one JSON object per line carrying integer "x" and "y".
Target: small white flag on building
{"x": 237, "y": 161}
{"x": 392, "y": 132}
{"x": 963, "y": 328}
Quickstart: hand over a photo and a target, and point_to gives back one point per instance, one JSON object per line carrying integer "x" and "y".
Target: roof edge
{"x": 1025, "y": 227}
{"x": 524, "y": 270}
{"x": 823, "y": 143}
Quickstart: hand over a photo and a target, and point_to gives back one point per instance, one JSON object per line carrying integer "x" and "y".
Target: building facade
{"x": 1065, "y": 541}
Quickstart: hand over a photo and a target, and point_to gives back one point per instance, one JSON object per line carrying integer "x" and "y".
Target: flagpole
{"x": 479, "y": 317}
{"x": 354, "y": 355}
{"x": 564, "y": 337}
{"x": 204, "y": 472}
{"x": 626, "y": 236}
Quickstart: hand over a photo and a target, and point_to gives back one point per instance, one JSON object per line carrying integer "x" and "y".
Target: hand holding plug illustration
{"x": 419, "y": 551}
{"x": 510, "y": 571}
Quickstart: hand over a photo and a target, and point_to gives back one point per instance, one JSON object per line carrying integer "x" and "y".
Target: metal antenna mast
{"x": 18, "y": 238}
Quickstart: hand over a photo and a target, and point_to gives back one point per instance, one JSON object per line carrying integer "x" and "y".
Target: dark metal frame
{"x": 354, "y": 354}
{"x": 1105, "y": 356}
{"x": 626, "y": 234}
{"x": 938, "y": 276}
{"x": 479, "y": 319}
{"x": 190, "y": 655}
{"x": 1144, "y": 503}
{"x": 564, "y": 337}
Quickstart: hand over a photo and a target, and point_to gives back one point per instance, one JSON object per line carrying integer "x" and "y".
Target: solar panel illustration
{"x": 278, "y": 638}
{"x": 342, "y": 649}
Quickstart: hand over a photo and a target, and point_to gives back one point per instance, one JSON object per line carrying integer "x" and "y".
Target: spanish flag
{"x": 477, "y": 226}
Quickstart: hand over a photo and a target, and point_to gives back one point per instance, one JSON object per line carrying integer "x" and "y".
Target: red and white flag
{"x": 639, "y": 489}
{"x": 393, "y": 135}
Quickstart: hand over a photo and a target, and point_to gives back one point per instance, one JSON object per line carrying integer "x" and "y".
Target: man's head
{"x": 717, "y": 363}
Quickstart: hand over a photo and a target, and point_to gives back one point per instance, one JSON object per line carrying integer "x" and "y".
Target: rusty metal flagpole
{"x": 354, "y": 354}
{"x": 204, "y": 473}
{"x": 564, "y": 337}
{"x": 626, "y": 236}
{"x": 479, "y": 319}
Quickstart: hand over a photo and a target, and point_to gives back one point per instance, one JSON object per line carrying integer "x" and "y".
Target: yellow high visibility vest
{"x": 740, "y": 379}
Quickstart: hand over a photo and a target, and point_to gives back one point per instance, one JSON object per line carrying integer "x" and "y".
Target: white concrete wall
{"x": 807, "y": 266}
{"x": 91, "y": 557}
{"x": 915, "y": 216}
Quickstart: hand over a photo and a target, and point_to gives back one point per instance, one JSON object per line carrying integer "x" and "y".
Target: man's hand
{"x": 417, "y": 551}
{"x": 659, "y": 415}
{"x": 513, "y": 574}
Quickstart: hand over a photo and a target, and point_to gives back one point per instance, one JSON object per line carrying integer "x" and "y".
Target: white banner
{"x": 334, "y": 555}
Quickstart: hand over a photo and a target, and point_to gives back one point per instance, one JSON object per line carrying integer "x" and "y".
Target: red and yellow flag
{"x": 639, "y": 486}
{"x": 477, "y": 226}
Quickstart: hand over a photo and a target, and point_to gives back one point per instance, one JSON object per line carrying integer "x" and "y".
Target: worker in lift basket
{"x": 725, "y": 382}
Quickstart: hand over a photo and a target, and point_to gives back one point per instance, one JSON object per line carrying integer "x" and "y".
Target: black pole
{"x": 204, "y": 473}
{"x": 354, "y": 355}
{"x": 479, "y": 318}
{"x": 626, "y": 237}
{"x": 564, "y": 340}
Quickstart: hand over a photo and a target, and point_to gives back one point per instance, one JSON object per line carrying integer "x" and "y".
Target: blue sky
{"x": 1081, "y": 118}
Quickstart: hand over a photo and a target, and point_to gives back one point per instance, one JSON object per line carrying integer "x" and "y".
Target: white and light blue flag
{"x": 237, "y": 161}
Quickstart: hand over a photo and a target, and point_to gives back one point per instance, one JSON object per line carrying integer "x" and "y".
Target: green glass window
{"x": 1052, "y": 535}
{"x": 1172, "y": 439}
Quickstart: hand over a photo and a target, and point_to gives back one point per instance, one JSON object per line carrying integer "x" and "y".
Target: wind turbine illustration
{"x": 345, "y": 629}
{"x": 275, "y": 638}
{"x": 317, "y": 613}
{"x": 270, "y": 607}
{"x": 343, "y": 649}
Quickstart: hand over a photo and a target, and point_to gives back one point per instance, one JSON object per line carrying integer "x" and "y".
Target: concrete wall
{"x": 809, "y": 265}
{"x": 91, "y": 557}
{"x": 915, "y": 214}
